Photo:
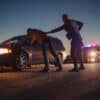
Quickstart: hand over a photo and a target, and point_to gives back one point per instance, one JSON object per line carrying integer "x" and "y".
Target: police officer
{"x": 72, "y": 27}
{"x": 41, "y": 38}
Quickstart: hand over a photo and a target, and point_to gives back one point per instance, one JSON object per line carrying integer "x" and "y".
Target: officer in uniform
{"x": 72, "y": 27}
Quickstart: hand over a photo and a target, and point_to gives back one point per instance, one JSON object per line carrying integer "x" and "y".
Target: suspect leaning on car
{"x": 41, "y": 38}
{"x": 20, "y": 52}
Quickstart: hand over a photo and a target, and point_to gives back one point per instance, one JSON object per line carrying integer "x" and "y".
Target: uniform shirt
{"x": 72, "y": 27}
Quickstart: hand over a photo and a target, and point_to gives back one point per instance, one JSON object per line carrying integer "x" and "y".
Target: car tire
{"x": 21, "y": 62}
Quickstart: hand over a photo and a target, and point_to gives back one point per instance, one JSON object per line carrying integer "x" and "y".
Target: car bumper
{"x": 7, "y": 59}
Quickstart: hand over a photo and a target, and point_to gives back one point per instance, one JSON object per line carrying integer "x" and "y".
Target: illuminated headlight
{"x": 92, "y": 60}
{"x": 92, "y": 54}
{"x": 5, "y": 51}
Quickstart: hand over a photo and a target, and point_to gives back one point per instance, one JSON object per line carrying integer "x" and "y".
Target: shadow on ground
{"x": 92, "y": 95}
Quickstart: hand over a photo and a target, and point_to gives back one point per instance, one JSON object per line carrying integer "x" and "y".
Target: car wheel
{"x": 21, "y": 61}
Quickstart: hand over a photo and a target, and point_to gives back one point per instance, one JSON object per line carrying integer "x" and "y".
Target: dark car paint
{"x": 27, "y": 48}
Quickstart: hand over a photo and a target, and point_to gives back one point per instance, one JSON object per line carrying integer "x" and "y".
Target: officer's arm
{"x": 57, "y": 29}
{"x": 80, "y": 24}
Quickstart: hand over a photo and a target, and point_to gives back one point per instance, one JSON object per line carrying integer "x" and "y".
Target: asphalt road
{"x": 65, "y": 85}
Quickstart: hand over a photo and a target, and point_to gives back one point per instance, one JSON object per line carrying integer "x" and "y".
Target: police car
{"x": 91, "y": 53}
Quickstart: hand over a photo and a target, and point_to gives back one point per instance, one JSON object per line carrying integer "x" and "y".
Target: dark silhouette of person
{"x": 40, "y": 37}
{"x": 72, "y": 27}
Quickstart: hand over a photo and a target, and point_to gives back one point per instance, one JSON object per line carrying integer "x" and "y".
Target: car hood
{"x": 5, "y": 45}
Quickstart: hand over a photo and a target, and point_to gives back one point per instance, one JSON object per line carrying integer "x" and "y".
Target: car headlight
{"x": 92, "y": 54}
{"x": 5, "y": 51}
{"x": 92, "y": 60}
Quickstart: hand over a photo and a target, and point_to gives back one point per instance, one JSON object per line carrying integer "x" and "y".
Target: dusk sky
{"x": 17, "y": 15}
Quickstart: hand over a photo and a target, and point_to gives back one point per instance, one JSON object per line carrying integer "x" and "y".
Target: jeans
{"x": 47, "y": 46}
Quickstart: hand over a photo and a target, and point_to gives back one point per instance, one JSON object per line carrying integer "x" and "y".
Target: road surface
{"x": 34, "y": 85}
